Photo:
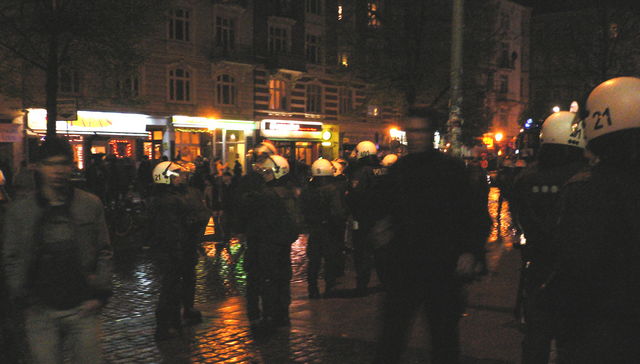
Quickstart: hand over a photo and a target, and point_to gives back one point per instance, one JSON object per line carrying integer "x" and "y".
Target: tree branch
{"x": 10, "y": 48}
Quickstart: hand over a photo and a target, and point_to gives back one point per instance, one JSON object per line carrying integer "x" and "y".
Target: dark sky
{"x": 546, "y": 6}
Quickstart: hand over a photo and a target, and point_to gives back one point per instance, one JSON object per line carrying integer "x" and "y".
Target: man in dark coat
{"x": 436, "y": 230}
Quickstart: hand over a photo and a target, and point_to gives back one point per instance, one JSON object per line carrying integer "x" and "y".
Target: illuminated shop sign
{"x": 182, "y": 121}
{"x": 93, "y": 122}
{"x": 291, "y": 129}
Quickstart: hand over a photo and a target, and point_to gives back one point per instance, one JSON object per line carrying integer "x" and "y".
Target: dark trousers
{"x": 362, "y": 256}
{"x": 168, "y": 309}
{"x": 177, "y": 289}
{"x": 440, "y": 299}
{"x": 268, "y": 290}
{"x": 540, "y": 323}
{"x": 321, "y": 246}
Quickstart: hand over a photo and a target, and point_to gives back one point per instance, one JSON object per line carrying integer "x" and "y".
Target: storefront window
{"x": 230, "y": 146}
{"x": 187, "y": 145}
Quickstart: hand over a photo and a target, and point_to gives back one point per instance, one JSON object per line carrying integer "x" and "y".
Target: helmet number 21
{"x": 599, "y": 116}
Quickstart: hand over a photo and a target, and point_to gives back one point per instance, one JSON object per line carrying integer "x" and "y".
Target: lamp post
{"x": 454, "y": 124}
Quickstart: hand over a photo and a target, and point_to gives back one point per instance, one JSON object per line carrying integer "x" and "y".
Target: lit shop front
{"x": 302, "y": 140}
{"x": 212, "y": 138}
{"x": 109, "y": 133}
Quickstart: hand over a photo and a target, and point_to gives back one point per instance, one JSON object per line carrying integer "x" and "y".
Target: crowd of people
{"x": 417, "y": 217}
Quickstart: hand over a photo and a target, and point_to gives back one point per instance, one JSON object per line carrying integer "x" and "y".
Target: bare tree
{"x": 102, "y": 36}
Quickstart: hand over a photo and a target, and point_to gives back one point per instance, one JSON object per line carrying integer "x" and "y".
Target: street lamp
{"x": 498, "y": 137}
{"x": 556, "y": 108}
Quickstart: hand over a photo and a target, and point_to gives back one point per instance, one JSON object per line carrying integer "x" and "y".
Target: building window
{"x": 314, "y": 99}
{"x": 179, "y": 85}
{"x": 314, "y": 49}
{"x": 129, "y": 86}
{"x": 278, "y": 40}
{"x": 373, "y": 110}
{"x": 277, "y": 95}
{"x": 373, "y": 15}
{"x": 504, "y": 117}
{"x": 505, "y": 57}
{"x": 343, "y": 59}
{"x": 504, "y": 84}
{"x": 346, "y": 100}
{"x": 179, "y": 28}
{"x": 225, "y": 90}
{"x": 490, "y": 81}
{"x": 187, "y": 145}
{"x": 314, "y": 6}
{"x": 68, "y": 81}
{"x": 225, "y": 33}
{"x": 505, "y": 21}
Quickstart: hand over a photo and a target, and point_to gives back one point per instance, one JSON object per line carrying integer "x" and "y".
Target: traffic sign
{"x": 67, "y": 109}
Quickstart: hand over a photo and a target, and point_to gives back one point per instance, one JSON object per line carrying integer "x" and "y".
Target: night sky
{"x": 546, "y": 6}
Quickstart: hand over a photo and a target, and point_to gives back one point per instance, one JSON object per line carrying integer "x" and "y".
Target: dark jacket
{"x": 271, "y": 214}
{"x": 90, "y": 233}
{"x": 169, "y": 216}
{"x": 435, "y": 213}
{"x": 364, "y": 192}
{"x": 322, "y": 203}
{"x": 534, "y": 196}
{"x": 597, "y": 236}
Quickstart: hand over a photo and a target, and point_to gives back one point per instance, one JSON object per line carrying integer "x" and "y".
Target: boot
{"x": 191, "y": 316}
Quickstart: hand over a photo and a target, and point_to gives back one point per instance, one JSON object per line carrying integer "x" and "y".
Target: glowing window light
{"x": 113, "y": 143}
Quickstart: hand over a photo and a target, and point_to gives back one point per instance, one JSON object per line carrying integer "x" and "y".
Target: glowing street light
{"x": 556, "y": 108}
{"x": 499, "y": 137}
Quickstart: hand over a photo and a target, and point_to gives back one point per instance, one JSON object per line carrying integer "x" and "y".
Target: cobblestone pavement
{"x": 336, "y": 330}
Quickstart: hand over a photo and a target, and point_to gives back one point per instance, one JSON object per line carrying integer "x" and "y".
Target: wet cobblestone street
{"x": 336, "y": 330}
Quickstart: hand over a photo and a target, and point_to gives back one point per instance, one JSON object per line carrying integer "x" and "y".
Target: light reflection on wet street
{"x": 224, "y": 336}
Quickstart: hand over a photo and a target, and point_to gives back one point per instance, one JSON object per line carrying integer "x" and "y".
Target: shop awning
{"x": 182, "y": 121}
{"x": 93, "y": 122}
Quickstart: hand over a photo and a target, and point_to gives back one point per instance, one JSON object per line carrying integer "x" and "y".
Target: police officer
{"x": 361, "y": 199}
{"x": 389, "y": 160}
{"x": 342, "y": 234}
{"x": 535, "y": 194}
{"x": 324, "y": 214}
{"x": 170, "y": 237}
{"x": 597, "y": 276}
{"x": 272, "y": 220}
{"x": 197, "y": 218}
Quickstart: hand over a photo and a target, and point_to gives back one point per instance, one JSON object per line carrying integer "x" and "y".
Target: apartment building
{"x": 217, "y": 78}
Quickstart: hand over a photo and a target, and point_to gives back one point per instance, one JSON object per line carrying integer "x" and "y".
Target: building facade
{"x": 219, "y": 76}
{"x": 508, "y": 72}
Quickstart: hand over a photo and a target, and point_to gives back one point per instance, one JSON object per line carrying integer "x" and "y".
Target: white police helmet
{"x": 164, "y": 170}
{"x": 338, "y": 167}
{"x": 276, "y": 164}
{"x": 389, "y": 160}
{"x": 564, "y": 128}
{"x": 322, "y": 167}
{"x": 612, "y": 106}
{"x": 365, "y": 148}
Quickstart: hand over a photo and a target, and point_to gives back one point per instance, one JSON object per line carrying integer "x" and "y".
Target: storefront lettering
{"x": 91, "y": 122}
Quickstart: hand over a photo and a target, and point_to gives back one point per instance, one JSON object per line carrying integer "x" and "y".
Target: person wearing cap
{"x": 57, "y": 259}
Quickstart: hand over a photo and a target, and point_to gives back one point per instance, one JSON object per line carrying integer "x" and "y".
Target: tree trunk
{"x": 454, "y": 124}
{"x": 51, "y": 86}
